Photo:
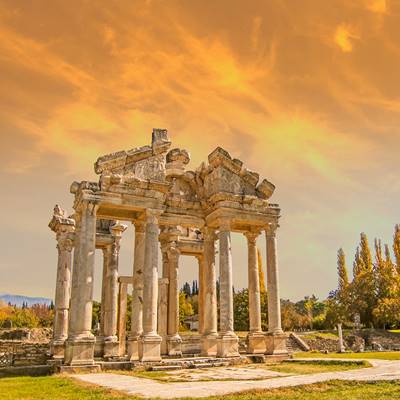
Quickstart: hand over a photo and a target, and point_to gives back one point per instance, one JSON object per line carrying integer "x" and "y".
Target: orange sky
{"x": 305, "y": 92}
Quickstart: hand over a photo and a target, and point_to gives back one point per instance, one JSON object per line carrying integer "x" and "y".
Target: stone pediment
{"x": 142, "y": 163}
{"x": 228, "y": 175}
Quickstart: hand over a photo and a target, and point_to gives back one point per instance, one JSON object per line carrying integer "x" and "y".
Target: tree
{"x": 363, "y": 284}
{"x": 241, "y": 310}
{"x": 396, "y": 247}
{"x": 342, "y": 294}
{"x": 185, "y": 309}
{"x": 186, "y": 289}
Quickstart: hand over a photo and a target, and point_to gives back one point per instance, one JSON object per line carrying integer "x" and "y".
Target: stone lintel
{"x": 239, "y": 220}
{"x": 125, "y": 279}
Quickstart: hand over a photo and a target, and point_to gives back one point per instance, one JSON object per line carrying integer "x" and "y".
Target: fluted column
{"x": 275, "y": 339}
{"x": 62, "y": 295}
{"x": 201, "y": 311}
{"x": 253, "y": 283}
{"x": 137, "y": 293}
{"x": 174, "y": 340}
{"x": 163, "y": 294}
{"x": 210, "y": 322}
{"x": 274, "y": 307}
{"x": 111, "y": 293}
{"x": 228, "y": 343}
{"x": 122, "y": 309}
{"x": 255, "y": 338}
{"x": 80, "y": 343}
{"x": 150, "y": 341}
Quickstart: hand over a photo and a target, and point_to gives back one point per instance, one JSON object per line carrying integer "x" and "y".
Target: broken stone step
{"x": 165, "y": 367}
{"x": 209, "y": 365}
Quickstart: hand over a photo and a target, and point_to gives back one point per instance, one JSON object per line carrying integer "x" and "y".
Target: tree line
{"x": 372, "y": 297}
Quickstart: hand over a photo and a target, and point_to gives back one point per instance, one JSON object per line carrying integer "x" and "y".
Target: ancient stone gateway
{"x": 185, "y": 212}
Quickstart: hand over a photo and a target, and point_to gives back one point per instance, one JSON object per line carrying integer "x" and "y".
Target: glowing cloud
{"x": 344, "y": 36}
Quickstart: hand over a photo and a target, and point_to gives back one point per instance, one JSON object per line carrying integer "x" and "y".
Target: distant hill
{"x": 17, "y": 300}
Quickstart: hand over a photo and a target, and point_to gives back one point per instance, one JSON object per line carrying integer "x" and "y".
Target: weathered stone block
{"x": 275, "y": 344}
{"x": 256, "y": 343}
{"x": 150, "y": 348}
{"x": 228, "y": 346}
{"x": 79, "y": 352}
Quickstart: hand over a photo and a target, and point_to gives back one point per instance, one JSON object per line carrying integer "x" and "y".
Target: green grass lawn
{"x": 315, "y": 335}
{"x": 64, "y": 388}
{"x": 379, "y": 355}
{"x": 301, "y": 368}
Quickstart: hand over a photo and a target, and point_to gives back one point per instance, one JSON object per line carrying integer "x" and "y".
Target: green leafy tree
{"x": 241, "y": 310}
{"x": 363, "y": 284}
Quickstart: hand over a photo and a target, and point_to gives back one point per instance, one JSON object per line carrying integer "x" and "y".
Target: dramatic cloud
{"x": 304, "y": 92}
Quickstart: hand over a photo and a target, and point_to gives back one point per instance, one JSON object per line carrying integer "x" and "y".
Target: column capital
{"x": 209, "y": 233}
{"x": 140, "y": 226}
{"x": 251, "y": 236}
{"x": 91, "y": 206}
{"x": 64, "y": 243}
{"x": 271, "y": 228}
{"x": 172, "y": 251}
{"x": 117, "y": 229}
{"x": 225, "y": 225}
{"x": 152, "y": 216}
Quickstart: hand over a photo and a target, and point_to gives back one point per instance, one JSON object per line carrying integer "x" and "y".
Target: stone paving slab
{"x": 380, "y": 370}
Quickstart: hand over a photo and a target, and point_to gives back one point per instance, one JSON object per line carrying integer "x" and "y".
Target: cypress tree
{"x": 363, "y": 285}
{"x": 343, "y": 282}
{"x": 396, "y": 246}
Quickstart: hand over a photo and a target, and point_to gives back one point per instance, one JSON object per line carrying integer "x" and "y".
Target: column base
{"x": 164, "y": 345}
{"x": 256, "y": 343}
{"x": 57, "y": 348}
{"x": 79, "y": 351}
{"x": 174, "y": 345}
{"x": 150, "y": 348}
{"x": 133, "y": 348}
{"x": 99, "y": 346}
{"x": 209, "y": 345}
{"x": 111, "y": 347}
{"x": 228, "y": 345}
{"x": 276, "y": 344}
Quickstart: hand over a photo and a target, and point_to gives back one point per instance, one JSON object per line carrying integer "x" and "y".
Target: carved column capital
{"x": 152, "y": 216}
{"x": 64, "y": 243}
{"x": 209, "y": 233}
{"x": 140, "y": 226}
{"x": 117, "y": 229}
{"x": 271, "y": 228}
{"x": 252, "y": 236}
{"x": 225, "y": 225}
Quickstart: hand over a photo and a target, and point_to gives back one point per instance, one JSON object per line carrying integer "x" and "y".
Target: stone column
{"x": 174, "y": 339}
{"x": 275, "y": 339}
{"x": 150, "y": 341}
{"x": 137, "y": 293}
{"x": 62, "y": 296}
{"x": 64, "y": 227}
{"x": 210, "y": 323}
{"x": 200, "y": 259}
{"x": 122, "y": 305}
{"x": 80, "y": 343}
{"x": 228, "y": 341}
{"x": 99, "y": 345}
{"x": 255, "y": 338}
{"x": 111, "y": 294}
{"x": 162, "y": 319}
